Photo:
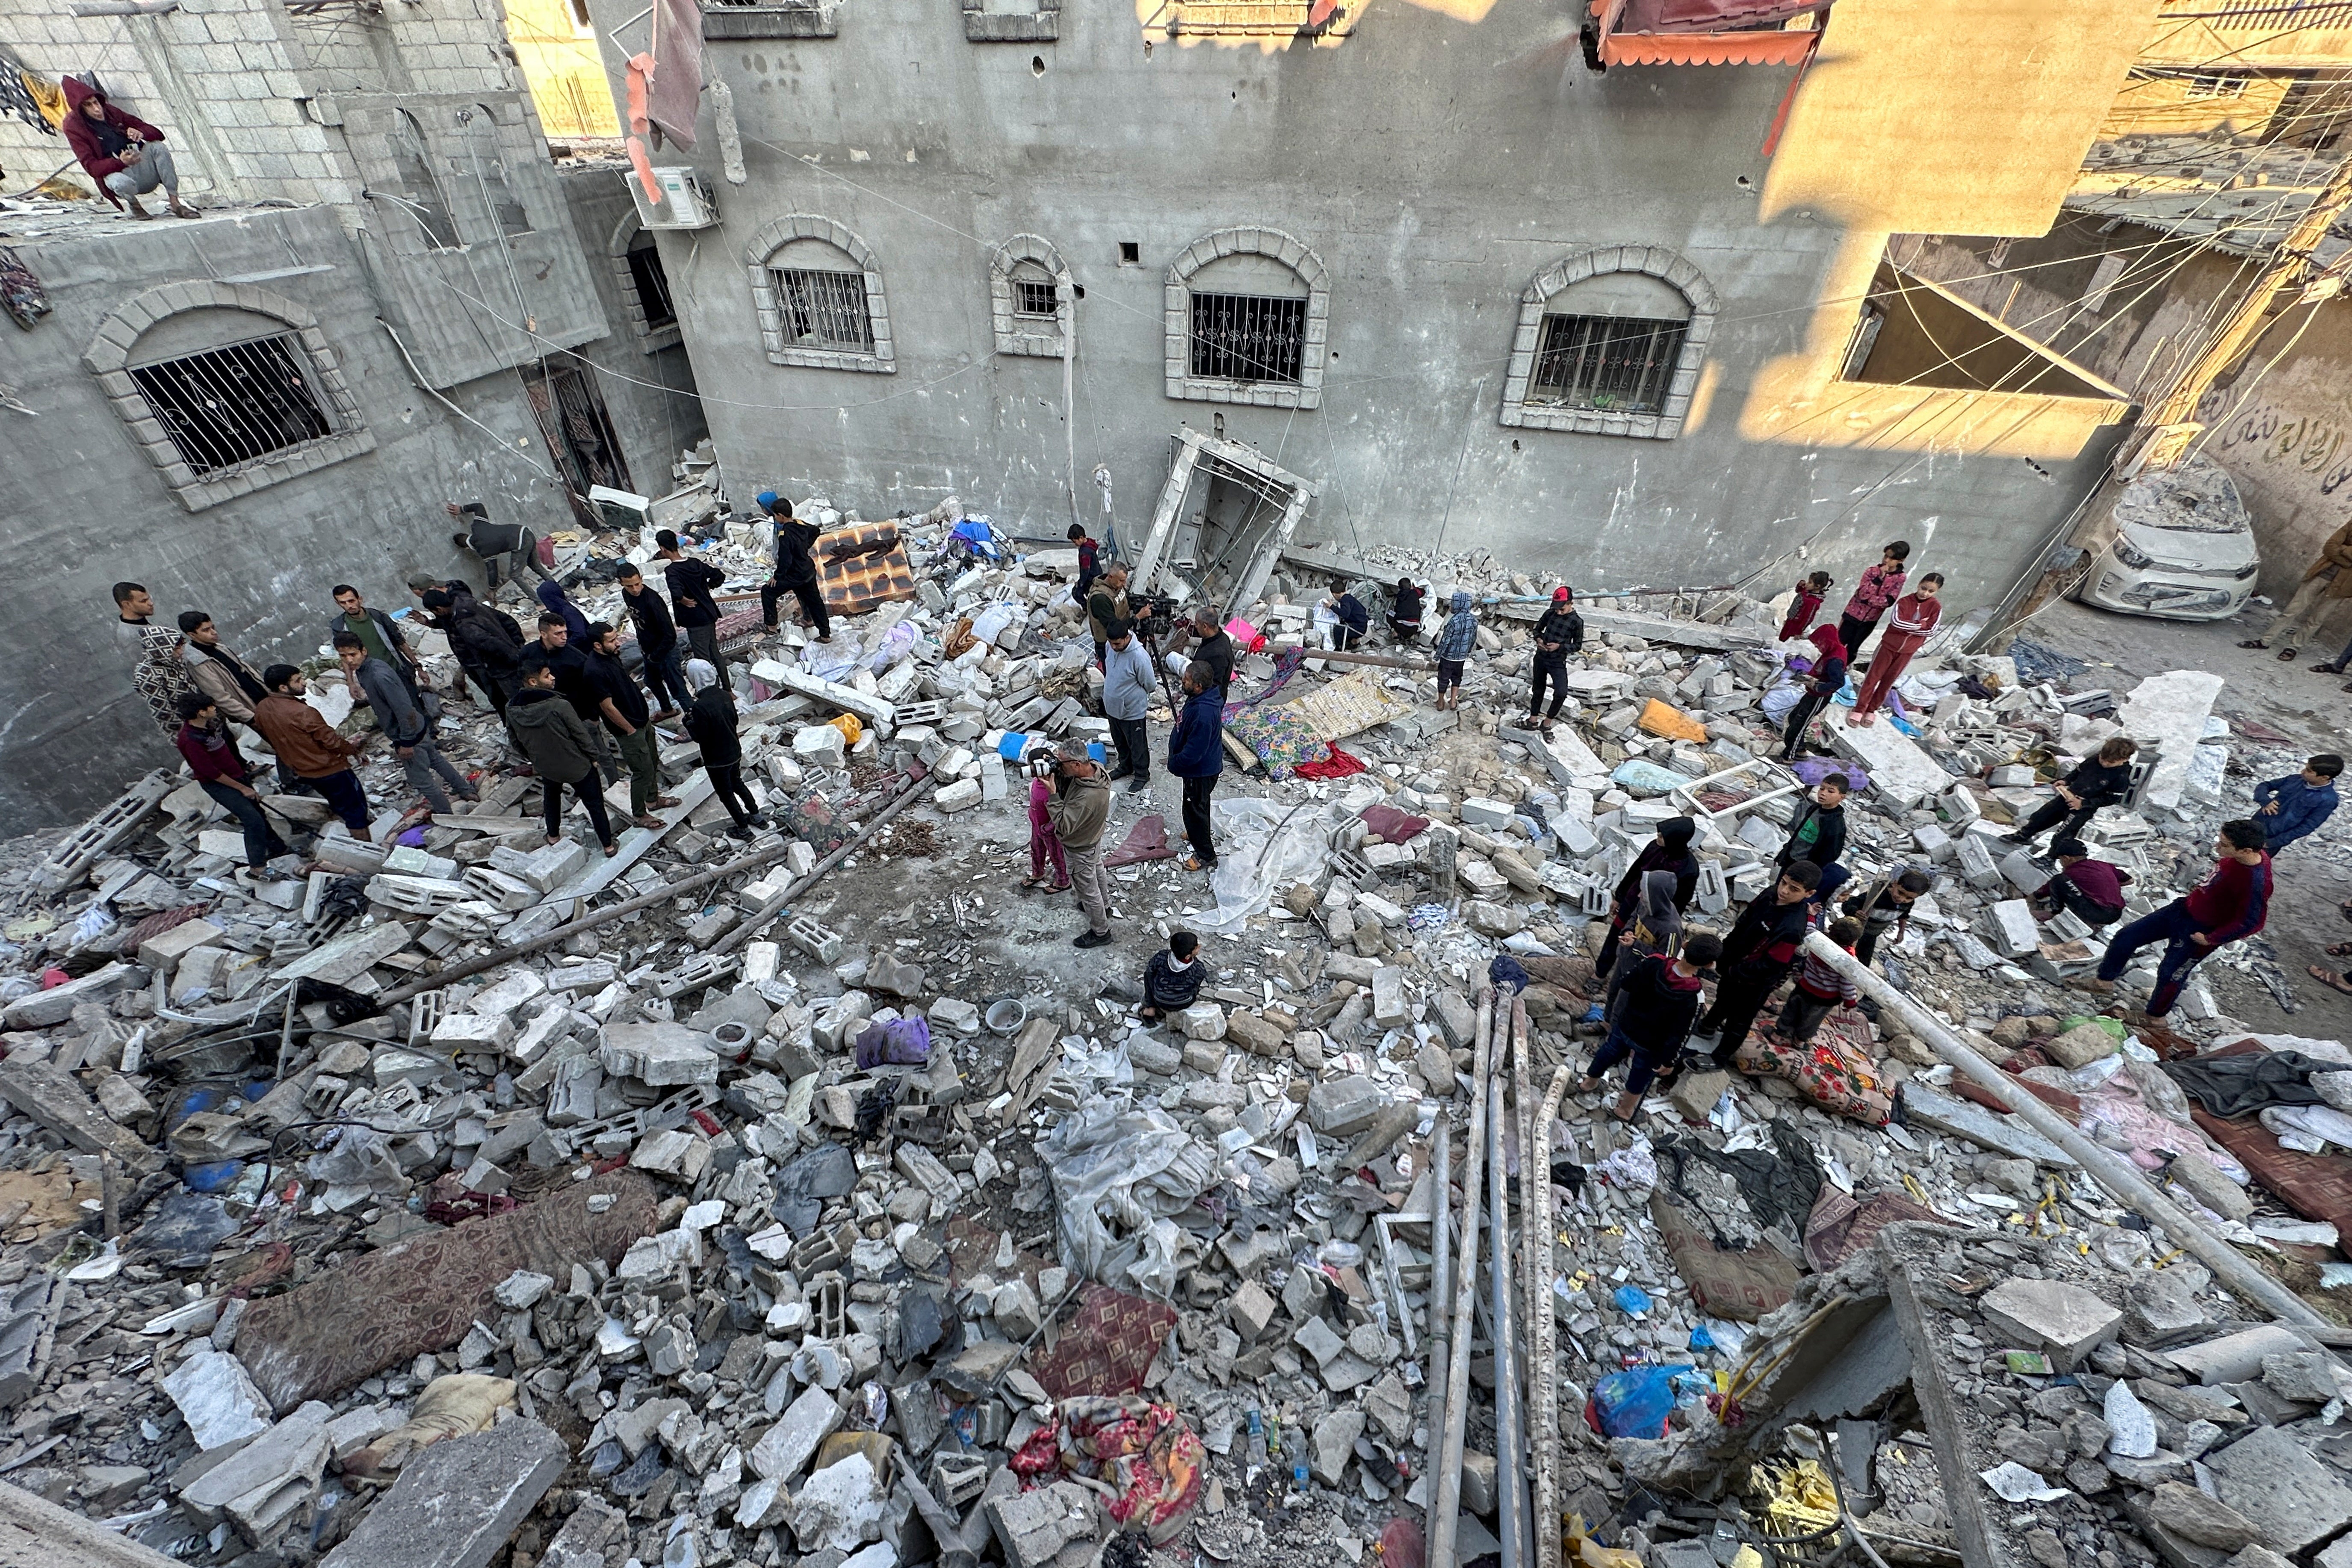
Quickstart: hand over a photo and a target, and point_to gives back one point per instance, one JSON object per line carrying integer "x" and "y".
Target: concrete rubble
{"x": 1064, "y": 1287}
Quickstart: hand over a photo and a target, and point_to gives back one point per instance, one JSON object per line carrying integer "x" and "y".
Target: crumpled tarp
{"x": 1147, "y": 840}
{"x": 1121, "y": 1175}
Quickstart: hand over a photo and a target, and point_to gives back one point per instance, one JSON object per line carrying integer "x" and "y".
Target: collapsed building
{"x": 469, "y": 1199}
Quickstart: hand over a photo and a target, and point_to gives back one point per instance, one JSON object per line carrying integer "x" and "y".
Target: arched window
{"x": 228, "y": 387}
{"x": 419, "y": 197}
{"x": 1029, "y": 287}
{"x": 644, "y": 285}
{"x": 1610, "y": 342}
{"x": 482, "y": 166}
{"x": 1247, "y": 315}
{"x": 818, "y": 292}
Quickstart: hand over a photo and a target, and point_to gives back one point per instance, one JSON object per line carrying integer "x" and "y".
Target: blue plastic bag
{"x": 1635, "y": 1403}
{"x": 1632, "y": 1299}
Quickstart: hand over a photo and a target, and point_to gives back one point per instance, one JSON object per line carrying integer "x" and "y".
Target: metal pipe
{"x": 768, "y": 911}
{"x": 1464, "y": 1277}
{"x": 1543, "y": 1331}
{"x": 1523, "y": 1265}
{"x": 1441, "y": 1195}
{"x": 2110, "y": 1171}
{"x": 1506, "y": 1394}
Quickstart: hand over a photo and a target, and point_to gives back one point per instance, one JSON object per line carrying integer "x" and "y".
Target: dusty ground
{"x": 2316, "y": 875}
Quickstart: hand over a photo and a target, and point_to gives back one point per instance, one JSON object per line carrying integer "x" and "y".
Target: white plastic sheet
{"x": 1119, "y": 1174}
{"x": 1262, "y": 848}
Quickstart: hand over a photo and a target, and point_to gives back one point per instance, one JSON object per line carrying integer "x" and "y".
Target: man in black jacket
{"x": 795, "y": 568}
{"x": 693, "y": 597}
{"x": 493, "y": 541}
{"x": 2101, "y": 780}
{"x": 1758, "y": 955}
{"x": 1560, "y": 633}
{"x": 487, "y": 641}
{"x": 657, "y": 639}
{"x": 621, "y": 706}
{"x": 1212, "y": 648}
{"x": 570, "y": 666}
{"x": 1817, "y": 832}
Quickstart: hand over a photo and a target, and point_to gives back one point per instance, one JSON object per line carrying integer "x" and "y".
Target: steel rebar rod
{"x": 2110, "y": 1171}
{"x": 1506, "y": 1394}
{"x": 1441, "y": 1195}
{"x": 1543, "y": 1330}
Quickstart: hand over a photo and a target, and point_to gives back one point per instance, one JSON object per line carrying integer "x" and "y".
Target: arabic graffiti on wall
{"x": 2269, "y": 435}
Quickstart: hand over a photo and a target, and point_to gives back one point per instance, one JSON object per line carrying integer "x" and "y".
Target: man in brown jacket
{"x": 308, "y": 744}
{"x": 2327, "y": 583}
{"x": 1079, "y": 811}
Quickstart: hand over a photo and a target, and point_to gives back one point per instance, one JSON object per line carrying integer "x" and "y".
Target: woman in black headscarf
{"x": 1669, "y": 851}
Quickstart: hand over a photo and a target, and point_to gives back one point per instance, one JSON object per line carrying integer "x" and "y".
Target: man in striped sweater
{"x": 2232, "y": 902}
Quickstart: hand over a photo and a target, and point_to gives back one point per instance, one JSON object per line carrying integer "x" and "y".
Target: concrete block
{"x": 1976, "y": 861}
{"x": 659, "y": 1054}
{"x": 1480, "y": 812}
{"x": 461, "y": 1033}
{"x": 43, "y": 1009}
{"x": 2014, "y": 930}
{"x": 457, "y": 1502}
{"x": 1202, "y": 1021}
{"x": 1389, "y": 1008}
{"x": 960, "y": 796}
{"x": 1259, "y": 1035}
{"x": 820, "y": 746}
{"x": 2065, "y": 1322}
{"x": 1342, "y": 1108}
{"x": 162, "y": 952}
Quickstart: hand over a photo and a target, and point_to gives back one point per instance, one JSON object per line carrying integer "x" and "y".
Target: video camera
{"x": 1154, "y": 615}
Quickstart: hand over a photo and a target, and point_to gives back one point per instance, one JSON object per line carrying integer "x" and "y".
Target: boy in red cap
{"x": 1560, "y": 633}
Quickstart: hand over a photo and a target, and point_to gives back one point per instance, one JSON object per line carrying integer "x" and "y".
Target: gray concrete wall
{"x": 1435, "y": 166}
{"x": 86, "y": 507}
{"x": 647, "y": 379}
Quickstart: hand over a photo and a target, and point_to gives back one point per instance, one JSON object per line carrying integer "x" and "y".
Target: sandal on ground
{"x": 2340, "y": 949}
{"x": 2286, "y": 656}
{"x": 1029, "y": 882}
{"x": 2326, "y": 667}
{"x": 2330, "y": 979}
{"x": 611, "y": 850}
{"x": 1194, "y": 863}
{"x": 1059, "y": 888}
{"x": 2253, "y": 642}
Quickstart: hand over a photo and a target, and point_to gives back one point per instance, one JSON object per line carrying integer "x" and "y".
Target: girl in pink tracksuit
{"x": 1912, "y": 623}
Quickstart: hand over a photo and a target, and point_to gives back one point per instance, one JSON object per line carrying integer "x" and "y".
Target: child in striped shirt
{"x": 1819, "y": 988}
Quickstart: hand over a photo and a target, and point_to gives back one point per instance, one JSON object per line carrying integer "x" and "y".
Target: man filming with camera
{"x": 1079, "y": 811}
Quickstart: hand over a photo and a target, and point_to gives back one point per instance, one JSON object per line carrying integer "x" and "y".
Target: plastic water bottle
{"x": 1257, "y": 1454}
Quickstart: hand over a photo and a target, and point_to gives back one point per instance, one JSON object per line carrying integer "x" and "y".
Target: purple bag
{"x": 902, "y": 1042}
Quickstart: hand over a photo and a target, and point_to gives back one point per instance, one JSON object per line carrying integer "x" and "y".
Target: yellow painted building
{"x": 557, "y": 50}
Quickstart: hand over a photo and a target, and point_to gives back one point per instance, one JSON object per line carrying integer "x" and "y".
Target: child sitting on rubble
{"x": 1656, "y": 1005}
{"x": 1819, "y": 988}
{"x": 1172, "y": 979}
{"x": 2091, "y": 890}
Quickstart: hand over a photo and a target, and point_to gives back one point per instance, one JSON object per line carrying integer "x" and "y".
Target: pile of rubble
{"x": 820, "y": 1205}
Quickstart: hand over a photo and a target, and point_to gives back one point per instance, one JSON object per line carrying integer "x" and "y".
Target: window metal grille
{"x": 2216, "y": 84}
{"x": 1034, "y": 299}
{"x": 825, "y": 310}
{"x": 652, "y": 284}
{"x": 1620, "y": 363}
{"x": 1248, "y": 337}
{"x": 227, "y": 406}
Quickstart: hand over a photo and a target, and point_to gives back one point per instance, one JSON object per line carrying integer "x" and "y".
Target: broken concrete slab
{"x": 217, "y": 1399}
{"x": 1900, "y": 770}
{"x": 459, "y": 1502}
{"x": 2236, "y": 1358}
{"x": 55, "y": 1099}
{"x": 789, "y": 1444}
{"x": 2291, "y": 1498}
{"x": 2166, "y": 714}
{"x": 2001, "y": 1134}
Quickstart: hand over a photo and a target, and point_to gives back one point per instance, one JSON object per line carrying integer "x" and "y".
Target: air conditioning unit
{"x": 685, "y": 200}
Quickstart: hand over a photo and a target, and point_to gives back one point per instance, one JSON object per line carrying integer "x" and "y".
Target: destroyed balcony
{"x": 1268, "y": 22}
{"x": 1702, "y": 32}
{"x": 768, "y": 19}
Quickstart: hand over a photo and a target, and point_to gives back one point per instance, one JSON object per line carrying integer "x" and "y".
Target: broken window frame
{"x": 629, "y": 238}
{"x": 1199, "y": 455}
{"x": 421, "y": 198}
{"x": 770, "y": 19}
{"x": 508, "y": 218}
{"x": 1184, "y": 381}
{"x": 769, "y": 294}
{"x": 1525, "y": 408}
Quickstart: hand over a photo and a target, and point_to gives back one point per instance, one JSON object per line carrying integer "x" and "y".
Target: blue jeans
{"x": 1616, "y": 1049}
{"x": 2171, "y": 925}
{"x": 261, "y": 841}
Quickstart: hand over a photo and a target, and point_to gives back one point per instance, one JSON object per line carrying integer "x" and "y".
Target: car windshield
{"x": 2196, "y": 498}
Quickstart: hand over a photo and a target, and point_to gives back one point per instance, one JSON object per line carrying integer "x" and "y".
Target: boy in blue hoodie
{"x": 2294, "y": 806}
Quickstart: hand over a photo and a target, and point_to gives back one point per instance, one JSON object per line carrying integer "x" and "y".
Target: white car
{"x": 2183, "y": 549}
